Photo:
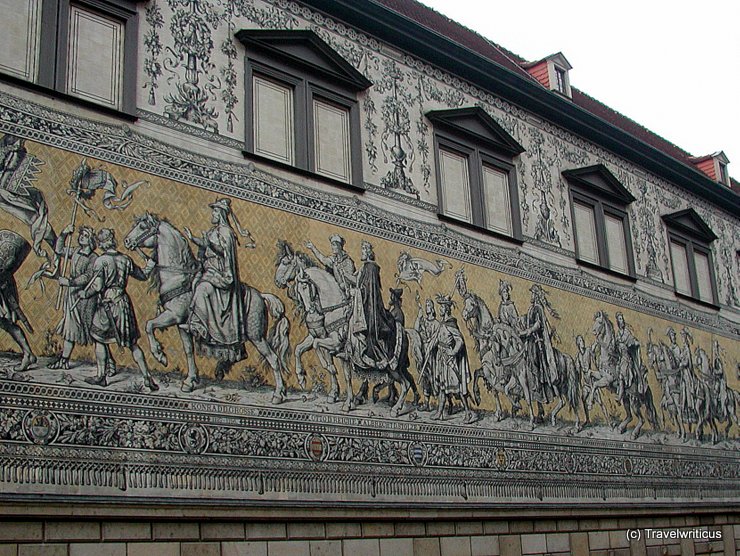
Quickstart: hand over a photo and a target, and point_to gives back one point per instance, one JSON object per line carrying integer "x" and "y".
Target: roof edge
{"x": 437, "y": 49}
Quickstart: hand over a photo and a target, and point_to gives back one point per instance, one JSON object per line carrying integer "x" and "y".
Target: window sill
{"x": 708, "y": 304}
{"x": 303, "y": 172}
{"x": 54, "y": 94}
{"x": 511, "y": 239}
{"x": 605, "y": 270}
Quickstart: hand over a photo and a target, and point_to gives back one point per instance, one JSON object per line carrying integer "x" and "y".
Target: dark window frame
{"x": 607, "y": 197}
{"x": 497, "y": 150}
{"x": 561, "y": 76}
{"x": 602, "y": 208}
{"x": 724, "y": 175}
{"x": 692, "y": 244}
{"x": 308, "y": 82}
{"x": 53, "y": 51}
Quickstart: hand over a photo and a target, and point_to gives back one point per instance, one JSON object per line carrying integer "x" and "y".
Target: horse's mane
{"x": 284, "y": 246}
{"x": 157, "y": 218}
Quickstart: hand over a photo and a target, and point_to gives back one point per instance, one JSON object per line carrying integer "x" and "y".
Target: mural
{"x": 286, "y": 340}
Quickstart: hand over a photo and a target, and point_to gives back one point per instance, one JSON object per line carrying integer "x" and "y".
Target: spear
{"x": 65, "y": 261}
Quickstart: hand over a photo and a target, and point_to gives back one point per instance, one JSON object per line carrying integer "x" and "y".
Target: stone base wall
{"x": 417, "y": 535}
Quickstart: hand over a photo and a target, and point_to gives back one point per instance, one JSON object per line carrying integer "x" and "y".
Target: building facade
{"x": 345, "y": 277}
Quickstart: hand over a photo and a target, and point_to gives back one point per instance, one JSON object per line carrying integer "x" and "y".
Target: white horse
{"x": 173, "y": 277}
{"x": 323, "y": 307}
{"x": 326, "y": 312}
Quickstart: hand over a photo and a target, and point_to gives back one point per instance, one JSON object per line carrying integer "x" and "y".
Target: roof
{"x": 452, "y": 30}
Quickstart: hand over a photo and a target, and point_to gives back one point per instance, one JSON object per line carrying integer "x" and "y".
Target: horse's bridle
{"x": 151, "y": 232}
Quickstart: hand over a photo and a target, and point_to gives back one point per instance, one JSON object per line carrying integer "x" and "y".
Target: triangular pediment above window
{"x": 305, "y": 50}
{"x": 599, "y": 179}
{"x": 689, "y": 222}
{"x": 475, "y": 124}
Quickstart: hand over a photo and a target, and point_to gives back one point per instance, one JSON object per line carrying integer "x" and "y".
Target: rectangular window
{"x": 273, "y": 120}
{"x": 586, "y": 238}
{"x": 332, "y": 140}
{"x": 723, "y": 176}
{"x": 599, "y": 205}
{"x": 455, "y": 177}
{"x": 95, "y": 57}
{"x": 20, "y": 36}
{"x": 560, "y": 78}
{"x": 616, "y": 244}
{"x": 301, "y": 104}
{"x": 703, "y": 276}
{"x": 679, "y": 256}
{"x": 496, "y": 200}
{"x": 85, "y": 49}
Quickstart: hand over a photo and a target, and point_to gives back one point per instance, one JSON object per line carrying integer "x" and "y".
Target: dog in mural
{"x": 173, "y": 277}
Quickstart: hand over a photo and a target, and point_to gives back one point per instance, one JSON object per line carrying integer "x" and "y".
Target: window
{"x": 476, "y": 180}
{"x": 302, "y": 106}
{"x": 600, "y": 221}
{"x": 691, "y": 256}
{"x": 84, "y": 49}
{"x": 724, "y": 177}
{"x": 560, "y": 80}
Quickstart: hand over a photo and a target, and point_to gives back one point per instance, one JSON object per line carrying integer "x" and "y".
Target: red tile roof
{"x": 452, "y": 30}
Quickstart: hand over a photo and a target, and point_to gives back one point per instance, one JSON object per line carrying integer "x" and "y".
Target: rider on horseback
{"x": 217, "y": 312}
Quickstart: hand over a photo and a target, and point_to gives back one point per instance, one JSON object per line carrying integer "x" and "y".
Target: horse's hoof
{"x": 349, "y": 406}
{"x": 332, "y": 398}
{"x": 28, "y": 360}
{"x": 187, "y": 387}
{"x": 149, "y": 383}
{"x": 162, "y": 359}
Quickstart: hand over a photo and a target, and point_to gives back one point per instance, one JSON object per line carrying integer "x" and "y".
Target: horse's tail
{"x": 278, "y": 336}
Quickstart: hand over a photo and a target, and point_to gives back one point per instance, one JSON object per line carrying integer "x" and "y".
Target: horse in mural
{"x": 716, "y": 403}
{"x": 503, "y": 369}
{"x": 326, "y": 311}
{"x": 633, "y": 393}
{"x": 506, "y": 369}
{"x": 666, "y": 368}
{"x": 322, "y": 306}
{"x": 501, "y": 352}
{"x": 176, "y": 267}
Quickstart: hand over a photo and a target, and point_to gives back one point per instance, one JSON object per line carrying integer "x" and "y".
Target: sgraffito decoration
{"x": 261, "y": 342}
{"x": 194, "y": 67}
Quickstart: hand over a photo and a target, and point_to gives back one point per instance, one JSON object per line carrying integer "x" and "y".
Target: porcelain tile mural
{"x": 261, "y": 341}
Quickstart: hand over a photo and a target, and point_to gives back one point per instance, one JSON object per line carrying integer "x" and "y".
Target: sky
{"x": 671, "y": 66}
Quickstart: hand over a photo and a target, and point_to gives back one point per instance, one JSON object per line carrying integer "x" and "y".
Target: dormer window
{"x": 714, "y": 166}
{"x": 552, "y": 73}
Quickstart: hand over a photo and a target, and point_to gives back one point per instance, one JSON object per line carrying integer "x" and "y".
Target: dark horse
{"x": 175, "y": 270}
